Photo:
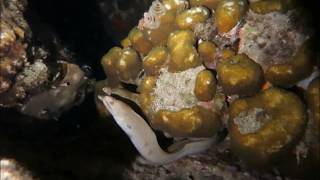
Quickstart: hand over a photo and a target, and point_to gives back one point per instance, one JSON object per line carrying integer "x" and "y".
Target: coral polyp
{"x": 139, "y": 41}
{"x": 188, "y": 18}
{"x": 207, "y": 50}
{"x": 240, "y": 75}
{"x": 289, "y": 73}
{"x": 229, "y": 13}
{"x": 205, "y": 87}
{"x": 155, "y": 59}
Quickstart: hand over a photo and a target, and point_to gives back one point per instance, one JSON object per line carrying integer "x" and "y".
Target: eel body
{"x": 143, "y": 137}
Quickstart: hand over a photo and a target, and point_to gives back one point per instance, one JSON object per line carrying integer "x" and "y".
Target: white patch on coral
{"x": 151, "y": 19}
{"x": 175, "y": 91}
{"x": 271, "y": 38}
{"x": 34, "y": 74}
{"x": 251, "y": 121}
{"x": 205, "y": 31}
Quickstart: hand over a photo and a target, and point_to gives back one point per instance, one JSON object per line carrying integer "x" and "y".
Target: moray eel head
{"x": 108, "y": 102}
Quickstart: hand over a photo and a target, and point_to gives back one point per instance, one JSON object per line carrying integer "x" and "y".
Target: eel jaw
{"x": 108, "y": 102}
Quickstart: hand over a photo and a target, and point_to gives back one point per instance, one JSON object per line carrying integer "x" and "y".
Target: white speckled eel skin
{"x": 143, "y": 137}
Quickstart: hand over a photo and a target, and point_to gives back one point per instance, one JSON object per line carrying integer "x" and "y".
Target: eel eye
{"x": 106, "y": 90}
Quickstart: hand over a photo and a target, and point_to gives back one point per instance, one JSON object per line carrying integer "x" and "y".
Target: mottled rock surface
{"x": 215, "y": 164}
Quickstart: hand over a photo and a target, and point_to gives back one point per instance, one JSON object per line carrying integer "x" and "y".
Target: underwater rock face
{"x": 11, "y": 170}
{"x": 121, "y": 15}
{"x": 198, "y": 57}
{"x": 28, "y": 69}
{"x": 14, "y": 32}
{"x": 49, "y": 103}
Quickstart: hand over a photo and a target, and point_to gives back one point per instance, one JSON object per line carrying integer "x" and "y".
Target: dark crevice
{"x": 78, "y": 26}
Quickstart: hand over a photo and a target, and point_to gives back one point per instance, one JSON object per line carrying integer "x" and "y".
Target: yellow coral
{"x": 158, "y": 36}
{"x": 265, "y": 125}
{"x": 207, "y": 50}
{"x": 298, "y": 68}
{"x": 108, "y": 62}
{"x": 190, "y": 17}
{"x": 195, "y": 122}
{"x": 183, "y": 57}
{"x": 229, "y": 13}
{"x": 139, "y": 41}
{"x": 180, "y": 37}
{"x": 240, "y": 75}
{"x": 129, "y": 65}
{"x": 156, "y": 58}
{"x": 205, "y": 87}
{"x": 267, "y": 6}
{"x": 211, "y": 4}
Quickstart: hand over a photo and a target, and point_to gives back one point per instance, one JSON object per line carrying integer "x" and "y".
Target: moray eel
{"x": 144, "y": 139}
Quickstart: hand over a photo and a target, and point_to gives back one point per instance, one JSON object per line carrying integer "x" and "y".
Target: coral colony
{"x": 190, "y": 57}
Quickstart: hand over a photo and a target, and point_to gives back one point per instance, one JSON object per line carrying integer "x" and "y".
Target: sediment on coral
{"x": 251, "y": 121}
{"x": 175, "y": 91}
{"x": 271, "y": 38}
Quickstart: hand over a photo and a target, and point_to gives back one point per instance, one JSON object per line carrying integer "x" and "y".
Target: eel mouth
{"x": 107, "y": 101}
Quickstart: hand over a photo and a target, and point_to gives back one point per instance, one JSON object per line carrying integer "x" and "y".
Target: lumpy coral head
{"x": 186, "y": 56}
{"x": 240, "y": 75}
{"x": 171, "y": 102}
{"x": 189, "y": 18}
{"x": 267, "y": 125}
{"x": 195, "y": 122}
{"x": 155, "y": 60}
{"x": 229, "y": 13}
{"x": 121, "y": 65}
{"x": 211, "y": 4}
{"x": 205, "y": 87}
{"x": 264, "y": 7}
{"x": 298, "y": 68}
